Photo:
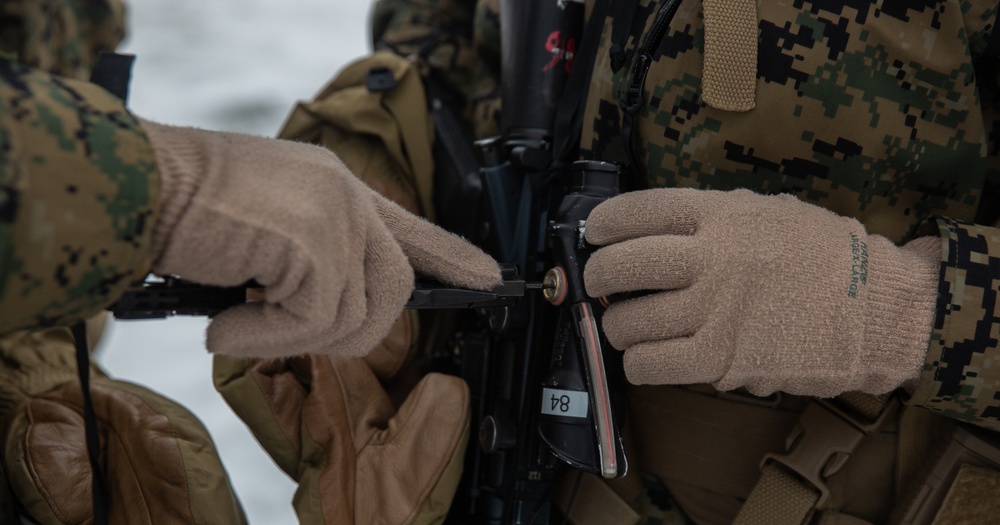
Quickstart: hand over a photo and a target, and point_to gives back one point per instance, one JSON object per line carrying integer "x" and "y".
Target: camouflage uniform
{"x": 874, "y": 133}
{"x": 78, "y": 194}
{"x": 886, "y": 112}
{"x": 77, "y": 173}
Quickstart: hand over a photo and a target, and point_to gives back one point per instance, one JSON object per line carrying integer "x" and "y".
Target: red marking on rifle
{"x": 561, "y": 50}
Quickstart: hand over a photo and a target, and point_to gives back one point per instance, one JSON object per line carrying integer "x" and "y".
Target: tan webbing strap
{"x": 915, "y": 439}
{"x": 778, "y": 499}
{"x": 833, "y": 518}
{"x": 704, "y": 440}
{"x": 729, "y": 75}
{"x": 867, "y": 406}
{"x": 825, "y": 437}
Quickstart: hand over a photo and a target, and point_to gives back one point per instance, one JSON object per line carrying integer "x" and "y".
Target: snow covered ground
{"x": 236, "y": 65}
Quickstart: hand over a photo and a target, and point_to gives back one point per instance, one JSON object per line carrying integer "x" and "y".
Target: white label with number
{"x": 568, "y": 403}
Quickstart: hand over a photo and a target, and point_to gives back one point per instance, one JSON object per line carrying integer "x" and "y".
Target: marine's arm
{"x": 748, "y": 292}
{"x": 94, "y": 198}
{"x": 960, "y": 378}
{"x": 79, "y": 192}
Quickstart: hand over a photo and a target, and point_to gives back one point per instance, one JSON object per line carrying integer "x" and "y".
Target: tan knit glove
{"x": 765, "y": 292}
{"x": 336, "y": 259}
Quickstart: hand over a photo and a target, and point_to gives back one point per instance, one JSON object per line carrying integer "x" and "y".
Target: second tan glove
{"x": 336, "y": 259}
{"x": 765, "y": 292}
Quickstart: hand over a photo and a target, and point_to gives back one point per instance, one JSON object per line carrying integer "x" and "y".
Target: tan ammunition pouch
{"x": 374, "y": 116}
{"x": 958, "y": 479}
{"x": 730, "y": 458}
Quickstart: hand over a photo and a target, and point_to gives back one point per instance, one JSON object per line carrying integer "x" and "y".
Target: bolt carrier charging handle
{"x": 593, "y": 182}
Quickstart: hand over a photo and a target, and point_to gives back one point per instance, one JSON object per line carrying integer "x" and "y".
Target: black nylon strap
{"x": 112, "y": 72}
{"x": 624, "y": 11}
{"x": 631, "y": 98}
{"x": 98, "y": 483}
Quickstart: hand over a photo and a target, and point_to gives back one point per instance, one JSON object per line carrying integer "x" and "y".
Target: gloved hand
{"x": 330, "y": 425}
{"x": 336, "y": 259}
{"x": 148, "y": 443}
{"x": 765, "y": 292}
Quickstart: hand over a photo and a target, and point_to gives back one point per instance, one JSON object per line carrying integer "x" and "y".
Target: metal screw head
{"x": 554, "y": 285}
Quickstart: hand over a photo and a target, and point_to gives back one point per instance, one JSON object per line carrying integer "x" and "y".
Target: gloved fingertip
{"x": 676, "y": 361}
{"x": 637, "y": 374}
{"x": 246, "y": 332}
{"x": 596, "y": 232}
{"x": 454, "y": 261}
{"x": 484, "y": 275}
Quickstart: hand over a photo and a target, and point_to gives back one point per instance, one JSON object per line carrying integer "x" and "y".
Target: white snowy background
{"x": 235, "y": 65}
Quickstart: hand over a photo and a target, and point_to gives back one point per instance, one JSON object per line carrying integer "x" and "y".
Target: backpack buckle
{"x": 823, "y": 439}
{"x": 380, "y": 79}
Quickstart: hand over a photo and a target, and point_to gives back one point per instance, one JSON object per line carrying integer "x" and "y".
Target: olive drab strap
{"x": 793, "y": 485}
{"x": 918, "y": 430}
{"x": 729, "y": 75}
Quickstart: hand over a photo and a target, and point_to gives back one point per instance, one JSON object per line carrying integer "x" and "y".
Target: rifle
{"x": 543, "y": 387}
{"x": 159, "y": 297}
{"x": 541, "y": 376}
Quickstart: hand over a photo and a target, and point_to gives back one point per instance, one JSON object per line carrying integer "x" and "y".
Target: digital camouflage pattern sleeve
{"x": 959, "y": 377}
{"x": 77, "y": 174}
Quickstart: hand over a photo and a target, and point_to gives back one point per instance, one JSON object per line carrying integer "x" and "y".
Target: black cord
{"x": 98, "y": 483}
{"x": 112, "y": 72}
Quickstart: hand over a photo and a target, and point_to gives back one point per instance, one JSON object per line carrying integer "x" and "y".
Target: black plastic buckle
{"x": 380, "y": 79}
